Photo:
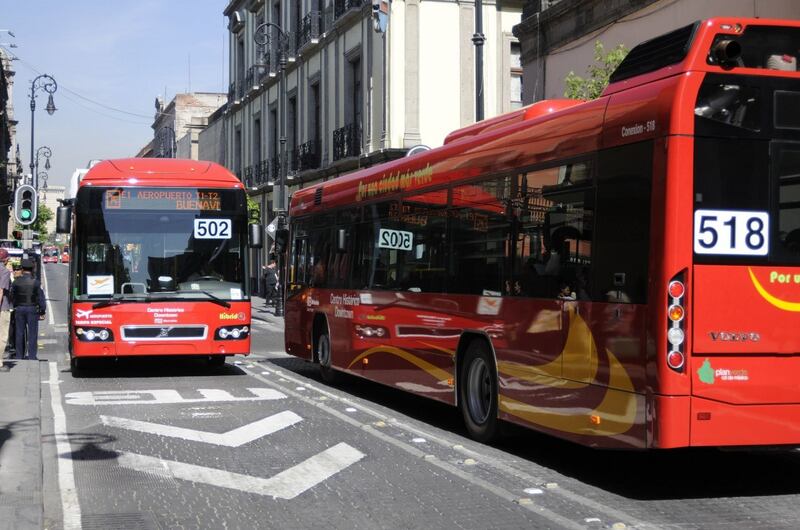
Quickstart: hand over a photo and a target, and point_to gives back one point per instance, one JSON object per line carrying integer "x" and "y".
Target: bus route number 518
{"x": 731, "y": 232}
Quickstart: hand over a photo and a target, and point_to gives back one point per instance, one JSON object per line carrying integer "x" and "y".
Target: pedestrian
{"x": 5, "y": 302}
{"x": 270, "y": 283}
{"x": 29, "y": 308}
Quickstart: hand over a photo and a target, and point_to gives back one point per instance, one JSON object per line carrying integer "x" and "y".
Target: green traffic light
{"x": 25, "y": 215}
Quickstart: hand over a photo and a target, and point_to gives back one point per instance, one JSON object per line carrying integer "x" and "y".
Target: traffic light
{"x": 25, "y": 204}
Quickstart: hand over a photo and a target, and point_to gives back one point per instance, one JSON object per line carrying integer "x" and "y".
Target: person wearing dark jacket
{"x": 29, "y": 307}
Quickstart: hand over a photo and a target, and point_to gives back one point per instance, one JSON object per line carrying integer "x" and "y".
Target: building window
{"x": 257, "y": 140}
{"x": 356, "y": 76}
{"x": 516, "y": 75}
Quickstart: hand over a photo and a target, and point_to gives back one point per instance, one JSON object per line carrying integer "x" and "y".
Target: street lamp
{"x": 166, "y": 135}
{"x": 43, "y": 176}
{"x": 262, "y": 38}
{"x": 46, "y": 153}
{"x": 49, "y": 85}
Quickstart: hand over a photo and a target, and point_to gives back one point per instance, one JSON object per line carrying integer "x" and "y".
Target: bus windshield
{"x": 183, "y": 243}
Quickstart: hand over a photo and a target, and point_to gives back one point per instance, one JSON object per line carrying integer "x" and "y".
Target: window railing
{"x": 308, "y": 155}
{"x": 248, "y": 177}
{"x": 309, "y": 29}
{"x": 347, "y": 141}
{"x": 340, "y": 7}
{"x": 231, "y": 92}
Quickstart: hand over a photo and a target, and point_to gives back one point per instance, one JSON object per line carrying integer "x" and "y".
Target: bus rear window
{"x": 767, "y": 47}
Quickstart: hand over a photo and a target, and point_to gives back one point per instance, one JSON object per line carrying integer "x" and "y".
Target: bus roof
{"x": 159, "y": 172}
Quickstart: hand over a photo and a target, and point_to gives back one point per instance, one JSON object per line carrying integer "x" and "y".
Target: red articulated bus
{"x": 623, "y": 272}
{"x": 159, "y": 261}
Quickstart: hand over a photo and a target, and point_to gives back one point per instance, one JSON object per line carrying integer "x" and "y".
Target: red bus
{"x": 623, "y": 272}
{"x": 159, "y": 261}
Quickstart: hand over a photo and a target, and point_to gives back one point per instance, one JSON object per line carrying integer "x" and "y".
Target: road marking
{"x": 47, "y": 341}
{"x": 47, "y": 299}
{"x": 234, "y": 438}
{"x": 159, "y": 397}
{"x": 454, "y": 470}
{"x": 70, "y": 507}
{"x": 286, "y": 485}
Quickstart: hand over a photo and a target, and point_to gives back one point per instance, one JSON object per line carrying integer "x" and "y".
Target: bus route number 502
{"x": 212, "y": 228}
{"x": 731, "y": 232}
{"x": 397, "y": 239}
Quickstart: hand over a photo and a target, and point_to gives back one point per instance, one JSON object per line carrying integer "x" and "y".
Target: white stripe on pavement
{"x": 233, "y": 438}
{"x": 70, "y": 507}
{"x": 47, "y": 298}
{"x": 287, "y": 484}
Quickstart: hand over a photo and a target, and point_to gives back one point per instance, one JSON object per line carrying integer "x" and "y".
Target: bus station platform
{"x": 21, "y": 501}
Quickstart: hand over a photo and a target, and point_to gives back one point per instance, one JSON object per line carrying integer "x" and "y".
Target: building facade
{"x": 558, "y": 36}
{"x": 49, "y": 197}
{"x": 10, "y": 165}
{"x": 177, "y": 125}
{"x": 356, "y": 96}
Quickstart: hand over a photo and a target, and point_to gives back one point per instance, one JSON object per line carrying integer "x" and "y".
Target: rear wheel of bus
{"x": 477, "y": 392}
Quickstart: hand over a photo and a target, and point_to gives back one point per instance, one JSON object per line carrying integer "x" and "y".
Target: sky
{"x": 111, "y": 59}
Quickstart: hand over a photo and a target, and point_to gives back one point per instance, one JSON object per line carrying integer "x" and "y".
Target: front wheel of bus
{"x": 74, "y": 364}
{"x": 478, "y": 393}
{"x": 326, "y": 371}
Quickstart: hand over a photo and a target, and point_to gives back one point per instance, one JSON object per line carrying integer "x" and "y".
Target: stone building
{"x": 356, "y": 96}
{"x": 177, "y": 124}
{"x": 10, "y": 165}
{"x": 49, "y": 197}
{"x": 558, "y": 36}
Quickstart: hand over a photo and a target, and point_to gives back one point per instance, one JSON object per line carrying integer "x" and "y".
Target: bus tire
{"x": 75, "y": 364}
{"x": 215, "y": 361}
{"x": 477, "y": 392}
{"x": 326, "y": 370}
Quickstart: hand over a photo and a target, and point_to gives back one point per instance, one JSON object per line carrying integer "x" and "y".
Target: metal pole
{"x": 281, "y": 199}
{"x": 478, "y": 40}
{"x": 33, "y": 108}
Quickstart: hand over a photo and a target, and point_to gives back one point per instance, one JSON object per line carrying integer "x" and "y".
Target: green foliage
{"x": 596, "y": 81}
{"x": 253, "y": 209}
{"x": 40, "y": 225}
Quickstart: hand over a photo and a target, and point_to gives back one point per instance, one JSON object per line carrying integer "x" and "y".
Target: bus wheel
{"x": 216, "y": 361}
{"x": 477, "y": 386}
{"x": 75, "y": 364}
{"x": 326, "y": 371}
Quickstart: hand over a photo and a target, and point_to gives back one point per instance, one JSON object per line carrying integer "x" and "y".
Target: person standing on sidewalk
{"x": 29, "y": 308}
{"x": 5, "y": 302}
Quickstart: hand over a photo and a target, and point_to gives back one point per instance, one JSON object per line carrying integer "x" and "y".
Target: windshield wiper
{"x": 213, "y": 299}
{"x": 115, "y": 300}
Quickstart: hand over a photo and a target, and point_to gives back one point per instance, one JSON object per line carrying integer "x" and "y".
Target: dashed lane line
{"x": 47, "y": 298}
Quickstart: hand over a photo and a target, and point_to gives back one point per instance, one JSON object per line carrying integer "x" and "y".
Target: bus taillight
{"x": 676, "y": 336}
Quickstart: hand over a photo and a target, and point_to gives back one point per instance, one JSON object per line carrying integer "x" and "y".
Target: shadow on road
{"x": 144, "y": 367}
{"x": 642, "y": 475}
{"x": 89, "y": 444}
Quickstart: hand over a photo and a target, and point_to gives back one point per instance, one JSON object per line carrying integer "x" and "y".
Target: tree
{"x": 593, "y": 85}
{"x": 253, "y": 209}
{"x": 44, "y": 215}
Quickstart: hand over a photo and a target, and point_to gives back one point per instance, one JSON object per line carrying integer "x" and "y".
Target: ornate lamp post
{"x": 167, "y": 145}
{"x": 43, "y": 176}
{"x": 49, "y": 85}
{"x": 46, "y": 153}
{"x": 262, "y": 38}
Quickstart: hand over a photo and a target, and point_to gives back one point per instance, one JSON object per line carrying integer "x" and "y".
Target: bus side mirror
{"x": 281, "y": 239}
{"x": 64, "y": 220}
{"x": 256, "y": 235}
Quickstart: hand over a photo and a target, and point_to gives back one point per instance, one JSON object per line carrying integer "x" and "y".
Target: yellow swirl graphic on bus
{"x": 774, "y": 300}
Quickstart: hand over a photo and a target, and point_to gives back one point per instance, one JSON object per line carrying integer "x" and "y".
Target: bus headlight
{"x": 232, "y": 333}
{"x": 87, "y": 334}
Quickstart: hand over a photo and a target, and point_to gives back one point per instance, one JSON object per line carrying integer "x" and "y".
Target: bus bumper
{"x": 714, "y": 423}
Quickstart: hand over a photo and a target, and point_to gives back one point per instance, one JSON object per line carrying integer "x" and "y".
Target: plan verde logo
{"x": 706, "y": 373}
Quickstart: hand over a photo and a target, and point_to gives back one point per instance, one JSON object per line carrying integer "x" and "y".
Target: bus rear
{"x": 745, "y": 278}
{"x": 159, "y": 262}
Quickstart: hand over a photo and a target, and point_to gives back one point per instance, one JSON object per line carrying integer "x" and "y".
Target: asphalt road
{"x": 263, "y": 443}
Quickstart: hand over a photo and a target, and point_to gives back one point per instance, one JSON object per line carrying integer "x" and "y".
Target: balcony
{"x": 307, "y": 156}
{"x": 248, "y": 177}
{"x": 347, "y": 141}
{"x": 253, "y": 78}
{"x": 309, "y": 32}
{"x": 231, "y": 93}
{"x": 343, "y": 7}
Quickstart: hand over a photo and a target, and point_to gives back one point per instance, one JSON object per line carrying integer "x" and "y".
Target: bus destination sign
{"x": 163, "y": 199}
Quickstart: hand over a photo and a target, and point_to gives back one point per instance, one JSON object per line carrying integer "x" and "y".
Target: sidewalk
{"x": 260, "y": 312}
{"x": 20, "y": 445}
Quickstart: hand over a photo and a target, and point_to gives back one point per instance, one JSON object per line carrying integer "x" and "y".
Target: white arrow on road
{"x": 235, "y": 438}
{"x": 287, "y": 484}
